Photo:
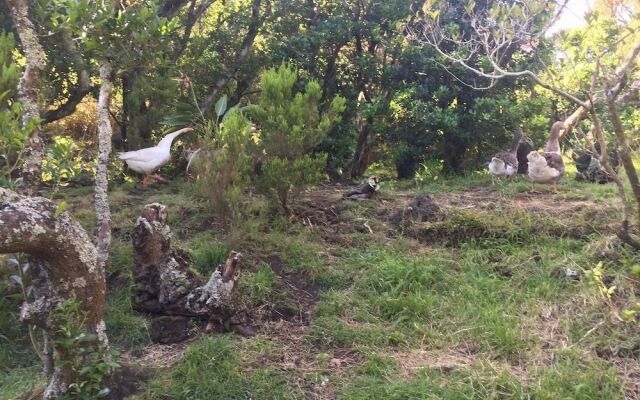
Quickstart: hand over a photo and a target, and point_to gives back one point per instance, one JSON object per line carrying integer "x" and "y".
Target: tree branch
{"x": 77, "y": 92}
{"x": 247, "y": 42}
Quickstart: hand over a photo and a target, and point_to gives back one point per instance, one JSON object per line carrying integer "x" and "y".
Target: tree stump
{"x": 164, "y": 283}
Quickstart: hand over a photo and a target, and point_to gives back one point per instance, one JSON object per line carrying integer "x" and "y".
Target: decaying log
{"x": 164, "y": 282}
{"x": 55, "y": 241}
{"x": 365, "y": 190}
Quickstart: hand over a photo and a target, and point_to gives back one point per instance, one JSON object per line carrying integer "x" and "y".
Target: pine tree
{"x": 291, "y": 125}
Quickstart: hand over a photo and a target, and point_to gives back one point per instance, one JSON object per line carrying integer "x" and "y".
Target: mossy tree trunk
{"x": 34, "y": 225}
{"x": 105, "y": 132}
{"x": 28, "y": 92}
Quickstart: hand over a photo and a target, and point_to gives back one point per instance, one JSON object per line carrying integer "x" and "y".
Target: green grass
{"x": 212, "y": 369}
{"x": 567, "y": 379}
{"x": 125, "y": 328}
{"x": 486, "y": 285}
{"x": 207, "y": 253}
{"x": 16, "y": 381}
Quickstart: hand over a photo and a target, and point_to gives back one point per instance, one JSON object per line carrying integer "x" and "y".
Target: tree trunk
{"x": 623, "y": 234}
{"x": 28, "y": 93}
{"x": 103, "y": 213}
{"x": 624, "y": 151}
{"x": 33, "y": 225}
{"x": 573, "y": 120}
{"x": 125, "y": 81}
{"x": 360, "y": 161}
{"x": 245, "y": 47}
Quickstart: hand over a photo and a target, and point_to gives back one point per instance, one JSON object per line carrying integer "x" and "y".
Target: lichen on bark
{"x": 60, "y": 245}
{"x": 103, "y": 212}
{"x": 164, "y": 282}
{"x": 28, "y": 92}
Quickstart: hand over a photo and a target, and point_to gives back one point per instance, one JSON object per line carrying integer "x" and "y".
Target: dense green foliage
{"x": 402, "y": 106}
{"x": 501, "y": 296}
{"x": 290, "y": 125}
{"x": 223, "y": 167}
{"x": 12, "y": 134}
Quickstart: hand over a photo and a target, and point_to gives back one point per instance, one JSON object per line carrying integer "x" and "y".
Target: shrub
{"x": 222, "y": 168}
{"x": 291, "y": 125}
{"x": 12, "y": 134}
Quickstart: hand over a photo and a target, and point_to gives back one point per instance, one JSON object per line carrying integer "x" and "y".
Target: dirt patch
{"x": 322, "y": 207}
{"x": 140, "y": 366}
{"x": 127, "y": 381}
{"x": 299, "y": 290}
{"x": 157, "y": 356}
{"x": 317, "y": 374}
{"x": 421, "y": 209}
{"x": 449, "y": 360}
{"x": 453, "y": 217}
{"x": 487, "y": 198}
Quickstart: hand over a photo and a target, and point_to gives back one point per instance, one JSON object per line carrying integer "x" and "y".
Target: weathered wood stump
{"x": 365, "y": 190}
{"x": 164, "y": 282}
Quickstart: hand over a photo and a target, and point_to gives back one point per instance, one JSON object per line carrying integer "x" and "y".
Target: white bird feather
{"x": 146, "y": 161}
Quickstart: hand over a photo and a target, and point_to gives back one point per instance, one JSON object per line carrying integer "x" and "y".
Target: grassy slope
{"x": 474, "y": 307}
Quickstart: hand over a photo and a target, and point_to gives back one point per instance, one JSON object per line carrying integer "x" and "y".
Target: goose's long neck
{"x": 166, "y": 141}
{"x": 553, "y": 145}
{"x": 516, "y": 141}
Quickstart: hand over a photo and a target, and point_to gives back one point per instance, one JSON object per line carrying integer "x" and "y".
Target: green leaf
{"x": 221, "y": 106}
{"x": 85, "y": 370}
{"x": 176, "y": 120}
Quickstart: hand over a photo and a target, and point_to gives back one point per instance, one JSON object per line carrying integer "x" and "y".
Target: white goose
{"x": 147, "y": 161}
